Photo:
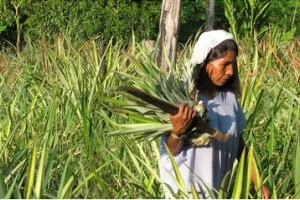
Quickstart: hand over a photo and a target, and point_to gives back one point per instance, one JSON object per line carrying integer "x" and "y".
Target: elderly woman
{"x": 215, "y": 81}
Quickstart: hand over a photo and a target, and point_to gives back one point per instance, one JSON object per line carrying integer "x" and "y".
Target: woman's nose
{"x": 229, "y": 70}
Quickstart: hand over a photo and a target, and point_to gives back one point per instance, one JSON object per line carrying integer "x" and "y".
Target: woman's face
{"x": 220, "y": 70}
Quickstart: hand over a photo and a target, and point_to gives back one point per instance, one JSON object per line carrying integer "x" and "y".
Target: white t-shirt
{"x": 208, "y": 164}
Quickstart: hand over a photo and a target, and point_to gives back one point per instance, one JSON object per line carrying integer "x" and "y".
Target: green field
{"x": 53, "y": 121}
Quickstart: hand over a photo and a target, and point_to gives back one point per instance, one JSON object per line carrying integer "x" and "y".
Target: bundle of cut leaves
{"x": 148, "y": 96}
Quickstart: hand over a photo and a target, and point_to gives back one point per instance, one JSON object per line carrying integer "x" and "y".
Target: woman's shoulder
{"x": 228, "y": 99}
{"x": 226, "y": 95}
{"x": 227, "y": 92}
{"x": 222, "y": 93}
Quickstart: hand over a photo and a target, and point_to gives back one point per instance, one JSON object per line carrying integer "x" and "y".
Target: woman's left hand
{"x": 265, "y": 192}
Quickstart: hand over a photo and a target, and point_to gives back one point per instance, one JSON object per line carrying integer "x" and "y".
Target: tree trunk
{"x": 210, "y": 15}
{"x": 168, "y": 34}
{"x": 17, "y": 20}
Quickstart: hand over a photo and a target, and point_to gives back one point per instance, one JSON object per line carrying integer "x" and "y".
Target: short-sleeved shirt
{"x": 208, "y": 164}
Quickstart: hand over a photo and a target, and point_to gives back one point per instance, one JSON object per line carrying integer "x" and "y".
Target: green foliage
{"x": 53, "y": 120}
{"x": 297, "y": 165}
{"x": 247, "y": 16}
{"x": 2, "y": 28}
{"x": 7, "y": 18}
{"x": 49, "y": 144}
{"x": 286, "y": 15}
{"x": 192, "y": 18}
{"x": 7, "y": 13}
{"x": 106, "y": 19}
{"x": 84, "y": 20}
{"x": 264, "y": 101}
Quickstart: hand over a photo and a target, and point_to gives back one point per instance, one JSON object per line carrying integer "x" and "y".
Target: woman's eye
{"x": 225, "y": 64}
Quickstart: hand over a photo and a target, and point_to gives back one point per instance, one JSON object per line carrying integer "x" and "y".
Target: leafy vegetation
{"x": 54, "y": 120}
{"x": 82, "y": 20}
{"x": 86, "y": 20}
{"x": 53, "y": 141}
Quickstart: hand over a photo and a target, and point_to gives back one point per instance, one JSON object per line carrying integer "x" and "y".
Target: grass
{"x": 53, "y": 122}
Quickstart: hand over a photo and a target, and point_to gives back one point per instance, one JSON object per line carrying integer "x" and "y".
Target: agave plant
{"x": 150, "y": 95}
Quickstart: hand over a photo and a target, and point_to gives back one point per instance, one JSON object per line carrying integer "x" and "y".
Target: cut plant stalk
{"x": 193, "y": 135}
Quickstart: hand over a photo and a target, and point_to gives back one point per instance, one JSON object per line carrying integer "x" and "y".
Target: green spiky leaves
{"x": 147, "y": 97}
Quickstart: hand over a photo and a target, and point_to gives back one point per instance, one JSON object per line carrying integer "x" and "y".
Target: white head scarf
{"x": 202, "y": 48}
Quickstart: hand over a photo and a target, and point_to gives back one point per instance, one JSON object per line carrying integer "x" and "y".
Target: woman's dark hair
{"x": 200, "y": 76}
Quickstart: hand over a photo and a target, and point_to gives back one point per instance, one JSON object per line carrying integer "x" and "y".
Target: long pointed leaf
{"x": 239, "y": 178}
{"x": 30, "y": 176}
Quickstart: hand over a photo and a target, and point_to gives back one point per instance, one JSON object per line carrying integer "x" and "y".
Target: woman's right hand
{"x": 183, "y": 119}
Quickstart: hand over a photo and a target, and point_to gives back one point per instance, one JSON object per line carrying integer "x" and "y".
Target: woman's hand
{"x": 181, "y": 122}
{"x": 265, "y": 192}
{"x": 183, "y": 119}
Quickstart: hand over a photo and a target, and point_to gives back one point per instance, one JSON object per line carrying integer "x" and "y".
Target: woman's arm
{"x": 242, "y": 146}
